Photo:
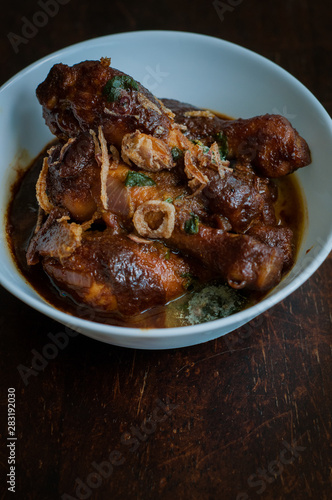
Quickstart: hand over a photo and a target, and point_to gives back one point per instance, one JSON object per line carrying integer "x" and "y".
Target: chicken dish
{"x": 143, "y": 200}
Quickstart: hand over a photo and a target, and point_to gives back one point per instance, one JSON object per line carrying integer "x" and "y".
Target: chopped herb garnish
{"x": 221, "y": 140}
{"x": 112, "y": 89}
{"x": 191, "y": 281}
{"x": 169, "y": 200}
{"x": 205, "y": 149}
{"x": 214, "y": 302}
{"x": 180, "y": 196}
{"x": 167, "y": 254}
{"x": 177, "y": 153}
{"x": 191, "y": 225}
{"x": 186, "y": 275}
{"x": 138, "y": 179}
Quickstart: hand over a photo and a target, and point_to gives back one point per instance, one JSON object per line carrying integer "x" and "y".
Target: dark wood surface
{"x": 244, "y": 416}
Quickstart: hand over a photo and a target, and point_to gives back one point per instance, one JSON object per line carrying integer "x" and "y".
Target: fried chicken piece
{"x": 56, "y": 238}
{"x": 89, "y": 94}
{"x": 242, "y": 197}
{"x": 114, "y": 273}
{"x": 268, "y": 142}
{"x": 276, "y": 236}
{"x": 73, "y": 177}
{"x": 107, "y": 270}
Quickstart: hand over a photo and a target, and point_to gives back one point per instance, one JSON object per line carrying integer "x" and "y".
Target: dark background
{"x": 249, "y": 414}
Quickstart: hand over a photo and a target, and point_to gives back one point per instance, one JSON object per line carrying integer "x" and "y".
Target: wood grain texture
{"x": 245, "y": 416}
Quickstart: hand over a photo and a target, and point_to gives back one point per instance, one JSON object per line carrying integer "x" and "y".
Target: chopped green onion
{"x": 177, "y": 153}
{"x": 112, "y": 89}
{"x": 191, "y": 281}
{"x": 205, "y": 149}
{"x": 191, "y": 225}
{"x": 138, "y": 179}
{"x": 221, "y": 140}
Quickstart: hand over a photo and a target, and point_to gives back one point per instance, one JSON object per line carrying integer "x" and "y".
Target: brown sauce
{"x": 21, "y": 221}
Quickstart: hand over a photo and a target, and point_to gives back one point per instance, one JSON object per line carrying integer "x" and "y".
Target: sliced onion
{"x": 118, "y": 199}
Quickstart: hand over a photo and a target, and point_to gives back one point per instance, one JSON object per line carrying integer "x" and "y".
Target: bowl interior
{"x": 203, "y": 71}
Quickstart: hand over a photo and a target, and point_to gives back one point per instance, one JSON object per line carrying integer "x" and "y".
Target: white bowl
{"x": 203, "y": 71}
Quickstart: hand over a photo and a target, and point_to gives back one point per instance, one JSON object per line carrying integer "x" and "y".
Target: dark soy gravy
{"x": 21, "y": 220}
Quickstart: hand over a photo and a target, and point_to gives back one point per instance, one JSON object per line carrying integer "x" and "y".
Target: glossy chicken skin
{"x": 109, "y": 270}
{"x": 268, "y": 142}
{"x": 74, "y": 101}
{"x": 114, "y": 273}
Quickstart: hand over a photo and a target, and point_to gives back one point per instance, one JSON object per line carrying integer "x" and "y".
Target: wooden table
{"x": 245, "y": 416}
